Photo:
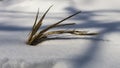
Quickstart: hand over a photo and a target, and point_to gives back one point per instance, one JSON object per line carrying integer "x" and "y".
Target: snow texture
{"x": 67, "y": 51}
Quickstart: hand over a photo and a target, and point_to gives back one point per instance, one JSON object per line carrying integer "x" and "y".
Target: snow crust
{"x": 69, "y": 51}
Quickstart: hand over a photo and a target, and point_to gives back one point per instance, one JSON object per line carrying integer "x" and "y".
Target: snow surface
{"x": 68, "y": 51}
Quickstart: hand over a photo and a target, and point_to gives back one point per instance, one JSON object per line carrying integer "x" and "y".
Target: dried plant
{"x": 37, "y": 37}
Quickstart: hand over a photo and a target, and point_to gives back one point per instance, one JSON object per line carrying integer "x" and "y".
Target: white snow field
{"x": 67, "y": 51}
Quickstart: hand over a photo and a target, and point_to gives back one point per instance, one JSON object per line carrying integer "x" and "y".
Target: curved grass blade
{"x": 67, "y": 24}
{"x": 32, "y": 32}
{"x": 66, "y": 31}
{"x": 36, "y": 19}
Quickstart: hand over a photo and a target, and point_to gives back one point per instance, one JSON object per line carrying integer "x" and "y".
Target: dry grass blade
{"x": 32, "y": 32}
{"x": 36, "y": 18}
{"x": 64, "y": 31}
{"x": 70, "y": 31}
{"x": 65, "y": 24}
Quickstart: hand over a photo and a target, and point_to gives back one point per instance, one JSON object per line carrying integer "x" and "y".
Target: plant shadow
{"x": 88, "y": 22}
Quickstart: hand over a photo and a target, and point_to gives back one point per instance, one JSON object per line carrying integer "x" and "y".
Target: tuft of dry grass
{"x": 36, "y": 37}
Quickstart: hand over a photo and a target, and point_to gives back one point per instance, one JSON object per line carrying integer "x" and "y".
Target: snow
{"x": 69, "y": 51}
